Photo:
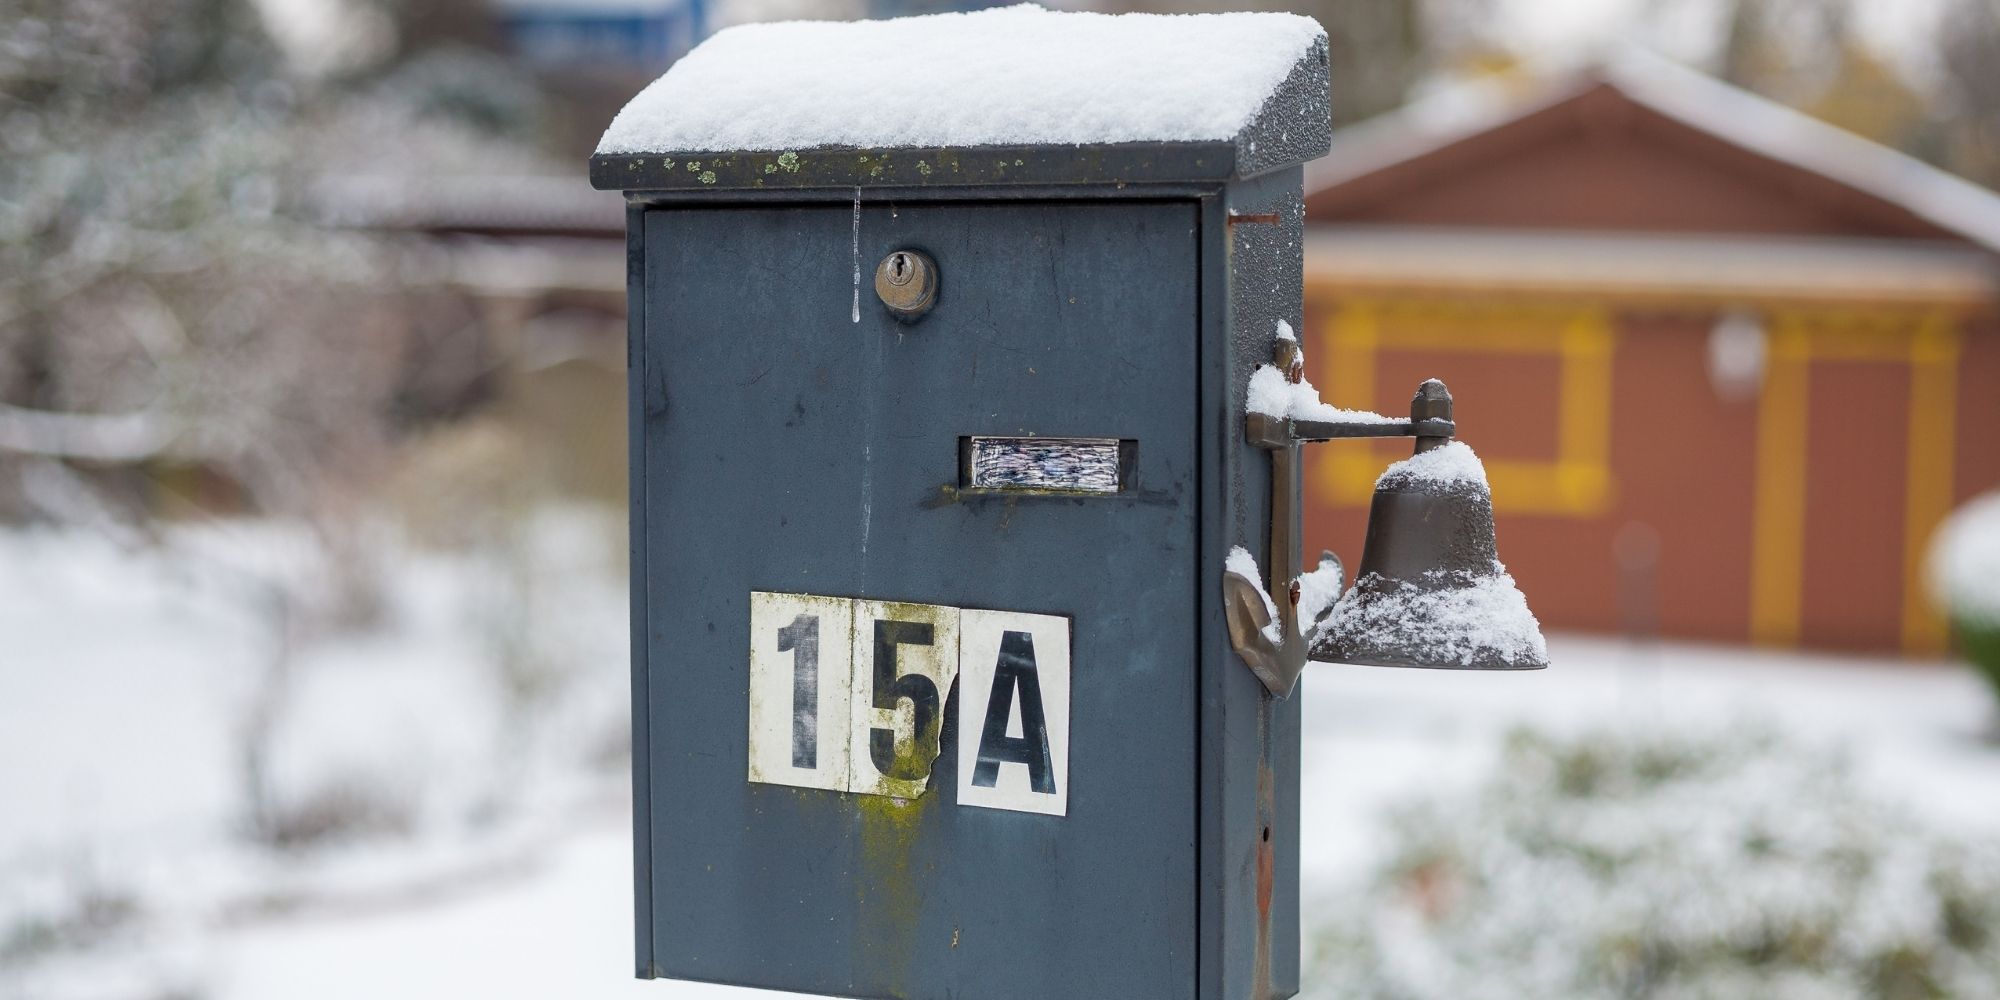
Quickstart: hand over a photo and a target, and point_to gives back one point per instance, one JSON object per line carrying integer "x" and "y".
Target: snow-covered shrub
{"x": 341, "y": 808}
{"x": 1965, "y": 579}
{"x": 1663, "y": 867}
{"x": 90, "y": 918}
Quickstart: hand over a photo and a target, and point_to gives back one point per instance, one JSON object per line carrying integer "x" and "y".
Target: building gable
{"x": 1641, "y": 144}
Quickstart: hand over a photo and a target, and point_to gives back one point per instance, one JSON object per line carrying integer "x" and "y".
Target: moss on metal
{"x": 848, "y": 168}
{"x": 889, "y": 888}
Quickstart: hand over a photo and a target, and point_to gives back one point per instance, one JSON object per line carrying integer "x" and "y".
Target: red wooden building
{"x": 1728, "y": 366}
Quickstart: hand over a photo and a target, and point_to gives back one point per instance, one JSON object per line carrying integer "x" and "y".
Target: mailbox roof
{"x": 1015, "y": 94}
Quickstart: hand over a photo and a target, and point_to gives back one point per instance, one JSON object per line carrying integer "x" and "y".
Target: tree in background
{"x": 1809, "y": 54}
{"x": 1812, "y": 55}
{"x": 1968, "y": 43}
{"x": 1378, "y": 50}
{"x": 168, "y": 294}
{"x": 179, "y": 331}
{"x": 184, "y": 331}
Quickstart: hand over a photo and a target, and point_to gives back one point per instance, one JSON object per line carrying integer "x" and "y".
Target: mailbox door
{"x": 798, "y": 440}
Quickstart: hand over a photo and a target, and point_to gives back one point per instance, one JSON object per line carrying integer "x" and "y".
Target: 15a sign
{"x": 849, "y": 696}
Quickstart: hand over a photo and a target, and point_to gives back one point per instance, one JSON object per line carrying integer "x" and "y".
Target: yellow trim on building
{"x": 1577, "y": 482}
{"x": 1778, "y": 505}
{"x": 1928, "y": 343}
{"x": 1930, "y": 479}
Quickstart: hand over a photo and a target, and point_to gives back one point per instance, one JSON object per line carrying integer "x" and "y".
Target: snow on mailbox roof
{"x": 1008, "y": 77}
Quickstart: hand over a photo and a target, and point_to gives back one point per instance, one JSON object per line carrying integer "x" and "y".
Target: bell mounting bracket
{"x": 1278, "y": 663}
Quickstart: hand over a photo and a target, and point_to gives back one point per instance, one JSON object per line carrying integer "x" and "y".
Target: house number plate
{"x": 849, "y": 696}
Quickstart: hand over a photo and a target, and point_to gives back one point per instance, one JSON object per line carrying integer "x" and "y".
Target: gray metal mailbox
{"x": 938, "y": 451}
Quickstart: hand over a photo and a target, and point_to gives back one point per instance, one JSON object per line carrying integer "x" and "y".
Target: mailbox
{"x": 941, "y": 337}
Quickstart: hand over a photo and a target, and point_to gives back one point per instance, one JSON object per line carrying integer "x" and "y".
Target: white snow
{"x": 1451, "y": 462}
{"x": 121, "y": 686}
{"x": 1913, "y": 731}
{"x": 1447, "y": 625}
{"x": 561, "y": 927}
{"x": 1578, "y": 851}
{"x": 1271, "y": 394}
{"x": 128, "y": 678}
{"x": 1318, "y": 589}
{"x": 1013, "y": 75}
{"x": 1373, "y": 739}
{"x": 1965, "y": 561}
{"x": 1243, "y": 564}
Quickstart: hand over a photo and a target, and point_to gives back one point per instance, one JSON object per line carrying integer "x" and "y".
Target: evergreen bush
{"x": 1670, "y": 867}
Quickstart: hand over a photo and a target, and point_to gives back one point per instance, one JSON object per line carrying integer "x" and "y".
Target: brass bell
{"x": 1431, "y": 591}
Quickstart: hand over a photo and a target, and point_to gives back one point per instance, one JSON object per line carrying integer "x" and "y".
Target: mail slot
{"x": 1050, "y": 465}
{"x": 938, "y": 453}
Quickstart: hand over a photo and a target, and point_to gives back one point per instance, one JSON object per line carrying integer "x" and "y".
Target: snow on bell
{"x": 1431, "y": 591}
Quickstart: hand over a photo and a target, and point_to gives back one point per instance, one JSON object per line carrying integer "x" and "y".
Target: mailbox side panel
{"x": 635, "y": 427}
{"x": 798, "y": 440}
{"x": 1253, "y": 272}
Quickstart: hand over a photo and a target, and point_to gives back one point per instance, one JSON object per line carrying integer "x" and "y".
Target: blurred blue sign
{"x": 635, "y": 34}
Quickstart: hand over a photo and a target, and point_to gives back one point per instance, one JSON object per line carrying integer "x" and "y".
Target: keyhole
{"x": 906, "y": 281}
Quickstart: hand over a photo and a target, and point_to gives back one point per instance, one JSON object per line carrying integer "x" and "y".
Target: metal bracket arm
{"x": 1267, "y": 431}
{"x": 1278, "y": 664}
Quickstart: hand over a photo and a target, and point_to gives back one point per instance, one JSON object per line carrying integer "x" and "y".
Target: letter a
{"x": 1015, "y": 676}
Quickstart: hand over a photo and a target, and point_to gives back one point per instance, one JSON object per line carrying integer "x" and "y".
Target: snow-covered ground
{"x": 1374, "y": 737}
{"x": 147, "y": 688}
{"x": 125, "y": 675}
{"x": 1916, "y": 731}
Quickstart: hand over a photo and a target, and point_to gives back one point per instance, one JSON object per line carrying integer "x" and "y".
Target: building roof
{"x": 1730, "y": 115}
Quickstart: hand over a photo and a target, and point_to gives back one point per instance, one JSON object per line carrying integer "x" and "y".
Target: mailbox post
{"x": 938, "y": 451}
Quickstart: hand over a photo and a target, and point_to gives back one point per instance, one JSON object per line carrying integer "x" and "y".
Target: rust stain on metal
{"x": 1006, "y": 515}
{"x": 1267, "y": 218}
{"x": 1285, "y": 354}
{"x": 1267, "y": 808}
{"x": 946, "y": 495}
{"x": 1264, "y": 876}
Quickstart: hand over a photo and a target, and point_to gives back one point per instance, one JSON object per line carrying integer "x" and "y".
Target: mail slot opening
{"x": 1066, "y": 465}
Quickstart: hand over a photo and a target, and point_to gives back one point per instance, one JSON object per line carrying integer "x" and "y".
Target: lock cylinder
{"x": 906, "y": 281}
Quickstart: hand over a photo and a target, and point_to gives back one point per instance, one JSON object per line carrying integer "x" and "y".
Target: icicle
{"x": 855, "y": 312}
